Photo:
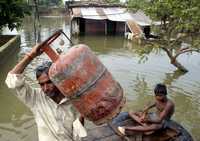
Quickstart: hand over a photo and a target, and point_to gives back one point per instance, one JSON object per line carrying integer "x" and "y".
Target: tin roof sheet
{"x": 92, "y": 13}
{"x": 140, "y": 18}
{"x": 113, "y": 14}
{"x": 117, "y": 14}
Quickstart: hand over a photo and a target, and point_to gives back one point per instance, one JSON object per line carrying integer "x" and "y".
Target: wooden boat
{"x": 108, "y": 132}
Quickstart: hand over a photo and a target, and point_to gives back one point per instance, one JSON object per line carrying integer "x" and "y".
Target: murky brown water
{"x": 123, "y": 59}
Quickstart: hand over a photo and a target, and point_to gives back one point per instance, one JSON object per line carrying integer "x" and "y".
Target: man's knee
{"x": 157, "y": 126}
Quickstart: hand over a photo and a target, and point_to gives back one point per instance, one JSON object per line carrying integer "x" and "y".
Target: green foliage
{"x": 137, "y": 4}
{"x": 182, "y": 15}
{"x": 12, "y": 12}
{"x": 175, "y": 15}
{"x": 113, "y": 1}
{"x": 180, "y": 23}
{"x": 50, "y": 2}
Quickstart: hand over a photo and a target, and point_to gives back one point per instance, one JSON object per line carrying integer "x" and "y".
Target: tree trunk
{"x": 36, "y": 22}
{"x": 178, "y": 65}
{"x": 36, "y": 11}
{"x": 174, "y": 60}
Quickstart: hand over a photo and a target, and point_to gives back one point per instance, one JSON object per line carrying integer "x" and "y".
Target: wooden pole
{"x": 106, "y": 32}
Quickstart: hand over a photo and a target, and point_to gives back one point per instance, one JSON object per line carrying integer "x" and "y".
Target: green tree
{"x": 180, "y": 23}
{"x": 137, "y": 4}
{"x": 50, "y": 2}
{"x": 111, "y": 1}
{"x": 12, "y": 12}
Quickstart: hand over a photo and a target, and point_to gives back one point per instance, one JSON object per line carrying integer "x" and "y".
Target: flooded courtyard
{"x": 137, "y": 73}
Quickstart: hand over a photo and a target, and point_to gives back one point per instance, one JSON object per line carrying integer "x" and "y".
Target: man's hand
{"x": 19, "y": 68}
{"x": 142, "y": 119}
{"x": 36, "y": 51}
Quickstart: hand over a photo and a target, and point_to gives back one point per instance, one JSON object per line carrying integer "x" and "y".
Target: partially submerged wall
{"x": 9, "y": 44}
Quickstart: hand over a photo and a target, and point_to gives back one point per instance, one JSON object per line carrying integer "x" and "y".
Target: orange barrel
{"x": 81, "y": 77}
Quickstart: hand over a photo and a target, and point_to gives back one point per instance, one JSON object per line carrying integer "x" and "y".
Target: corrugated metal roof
{"x": 134, "y": 28}
{"x": 140, "y": 18}
{"x": 76, "y": 12}
{"x": 91, "y": 13}
{"x": 117, "y": 14}
{"x": 113, "y": 14}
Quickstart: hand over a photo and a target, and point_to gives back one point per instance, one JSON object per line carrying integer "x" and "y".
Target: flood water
{"x": 137, "y": 75}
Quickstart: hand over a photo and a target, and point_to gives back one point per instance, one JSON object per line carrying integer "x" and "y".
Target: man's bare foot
{"x": 121, "y": 130}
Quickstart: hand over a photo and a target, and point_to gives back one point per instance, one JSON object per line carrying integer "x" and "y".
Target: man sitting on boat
{"x": 149, "y": 122}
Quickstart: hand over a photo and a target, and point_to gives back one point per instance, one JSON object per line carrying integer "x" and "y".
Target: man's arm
{"x": 145, "y": 112}
{"x": 149, "y": 107}
{"x": 141, "y": 116}
{"x": 15, "y": 80}
{"x": 164, "y": 114}
{"x": 19, "y": 68}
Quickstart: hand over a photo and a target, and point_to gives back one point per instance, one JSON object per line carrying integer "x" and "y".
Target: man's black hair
{"x": 44, "y": 68}
{"x": 160, "y": 89}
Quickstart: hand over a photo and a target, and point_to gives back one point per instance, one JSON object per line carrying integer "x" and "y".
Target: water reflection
{"x": 16, "y": 121}
{"x": 142, "y": 93}
{"x": 171, "y": 77}
{"x": 138, "y": 68}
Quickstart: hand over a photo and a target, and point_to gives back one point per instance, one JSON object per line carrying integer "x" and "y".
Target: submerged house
{"x": 109, "y": 21}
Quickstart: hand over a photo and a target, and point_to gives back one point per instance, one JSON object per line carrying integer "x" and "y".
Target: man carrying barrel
{"x": 56, "y": 118}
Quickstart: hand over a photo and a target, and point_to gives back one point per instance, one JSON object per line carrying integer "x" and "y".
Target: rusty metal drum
{"x": 81, "y": 77}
